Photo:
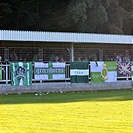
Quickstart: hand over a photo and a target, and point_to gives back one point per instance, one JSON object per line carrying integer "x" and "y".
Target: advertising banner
{"x": 79, "y": 72}
{"x": 21, "y": 73}
{"x": 51, "y": 70}
{"x": 103, "y": 71}
{"x": 123, "y": 69}
{"x": 0, "y": 72}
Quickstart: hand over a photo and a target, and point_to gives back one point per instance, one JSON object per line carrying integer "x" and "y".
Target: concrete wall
{"x": 63, "y": 87}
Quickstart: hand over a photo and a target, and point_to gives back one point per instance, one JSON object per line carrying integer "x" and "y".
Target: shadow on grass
{"x": 114, "y": 95}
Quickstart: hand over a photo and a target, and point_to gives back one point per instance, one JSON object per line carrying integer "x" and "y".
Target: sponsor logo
{"x": 96, "y": 75}
{"x": 104, "y": 72}
{"x": 112, "y": 68}
{"x": 20, "y": 74}
{"x": 78, "y": 73}
{"x": 49, "y": 70}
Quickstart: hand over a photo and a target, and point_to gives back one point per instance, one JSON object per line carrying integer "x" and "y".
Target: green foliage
{"x": 77, "y": 11}
{"x": 100, "y": 15}
{"x": 5, "y": 8}
{"x": 114, "y": 29}
{"x": 106, "y": 3}
{"x": 97, "y": 16}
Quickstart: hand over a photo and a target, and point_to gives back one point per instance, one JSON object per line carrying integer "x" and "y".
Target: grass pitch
{"x": 71, "y": 112}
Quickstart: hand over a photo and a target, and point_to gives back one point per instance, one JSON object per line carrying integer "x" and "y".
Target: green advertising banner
{"x": 103, "y": 71}
{"x": 21, "y": 73}
{"x": 79, "y": 72}
{"x": 1, "y": 73}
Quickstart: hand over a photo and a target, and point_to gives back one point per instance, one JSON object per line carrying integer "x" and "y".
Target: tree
{"x": 91, "y": 16}
{"x": 25, "y": 15}
{"x": 5, "y": 11}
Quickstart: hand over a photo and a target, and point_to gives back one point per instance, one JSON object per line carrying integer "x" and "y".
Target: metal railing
{"x": 6, "y": 78}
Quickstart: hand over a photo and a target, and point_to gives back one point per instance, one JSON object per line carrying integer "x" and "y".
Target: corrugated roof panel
{"x": 12, "y": 35}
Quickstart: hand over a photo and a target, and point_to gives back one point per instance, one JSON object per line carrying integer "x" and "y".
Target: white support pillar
{"x": 7, "y": 73}
{"x": 72, "y": 52}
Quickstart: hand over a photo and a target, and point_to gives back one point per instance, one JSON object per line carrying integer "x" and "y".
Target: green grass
{"x": 71, "y": 112}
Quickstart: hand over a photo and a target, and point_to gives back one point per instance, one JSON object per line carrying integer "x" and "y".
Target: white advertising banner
{"x": 51, "y": 70}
